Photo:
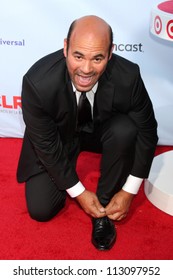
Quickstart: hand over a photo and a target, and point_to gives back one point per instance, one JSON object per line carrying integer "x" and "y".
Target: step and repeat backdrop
{"x": 143, "y": 33}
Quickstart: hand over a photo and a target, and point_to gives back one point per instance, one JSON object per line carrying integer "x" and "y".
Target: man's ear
{"x": 65, "y": 47}
{"x": 110, "y": 55}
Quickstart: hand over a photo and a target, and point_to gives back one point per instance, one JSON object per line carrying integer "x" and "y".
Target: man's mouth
{"x": 84, "y": 80}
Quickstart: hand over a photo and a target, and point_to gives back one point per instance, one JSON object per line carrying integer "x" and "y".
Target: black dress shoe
{"x": 103, "y": 234}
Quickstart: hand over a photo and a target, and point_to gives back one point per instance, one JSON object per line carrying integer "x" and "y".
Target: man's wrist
{"x": 132, "y": 184}
{"x": 76, "y": 190}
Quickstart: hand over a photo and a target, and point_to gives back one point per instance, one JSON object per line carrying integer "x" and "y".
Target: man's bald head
{"x": 91, "y": 24}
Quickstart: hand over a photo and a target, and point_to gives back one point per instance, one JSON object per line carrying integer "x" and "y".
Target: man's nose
{"x": 86, "y": 67}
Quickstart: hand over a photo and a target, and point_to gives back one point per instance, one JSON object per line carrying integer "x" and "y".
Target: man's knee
{"x": 44, "y": 213}
{"x": 43, "y": 198}
{"x": 119, "y": 132}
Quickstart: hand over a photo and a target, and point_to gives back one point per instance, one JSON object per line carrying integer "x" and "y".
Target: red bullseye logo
{"x": 157, "y": 25}
{"x": 169, "y": 29}
{"x": 162, "y": 20}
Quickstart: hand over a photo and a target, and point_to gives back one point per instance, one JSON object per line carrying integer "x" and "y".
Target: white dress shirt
{"x": 132, "y": 183}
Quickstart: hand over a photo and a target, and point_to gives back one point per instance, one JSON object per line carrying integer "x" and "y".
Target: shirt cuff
{"x": 76, "y": 190}
{"x": 132, "y": 184}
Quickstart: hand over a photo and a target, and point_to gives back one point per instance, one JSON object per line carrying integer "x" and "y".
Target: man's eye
{"x": 98, "y": 59}
{"x": 78, "y": 57}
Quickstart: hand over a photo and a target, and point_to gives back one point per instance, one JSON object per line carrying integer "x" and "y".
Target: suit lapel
{"x": 71, "y": 99}
{"x": 103, "y": 99}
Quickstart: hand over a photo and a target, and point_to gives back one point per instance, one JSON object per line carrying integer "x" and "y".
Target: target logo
{"x": 169, "y": 29}
{"x": 162, "y": 20}
{"x": 157, "y": 25}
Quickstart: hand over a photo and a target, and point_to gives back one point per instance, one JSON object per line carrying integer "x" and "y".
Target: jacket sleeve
{"x": 43, "y": 133}
{"x": 142, "y": 114}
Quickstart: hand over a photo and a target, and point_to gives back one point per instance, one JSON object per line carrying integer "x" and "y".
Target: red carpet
{"x": 147, "y": 233}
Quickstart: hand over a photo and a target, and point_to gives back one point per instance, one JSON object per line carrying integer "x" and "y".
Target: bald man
{"x": 86, "y": 98}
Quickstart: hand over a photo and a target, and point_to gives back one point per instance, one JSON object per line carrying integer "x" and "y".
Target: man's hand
{"x": 90, "y": 204}
{"x": 118, "y": 207}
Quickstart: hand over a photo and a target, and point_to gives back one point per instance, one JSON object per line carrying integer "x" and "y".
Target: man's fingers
{"x": 97, "y": 214}
{"x": 99, "y": 207}
{"x": 111, "y": 208}
{"x": 114, "y": 216}
{"x": 102, "y": 210}
{"x": 117, "y": 216}
{"x": 99, "y": 211}
{"x": 122, "y": 217}
{"x": 91, "y": 205}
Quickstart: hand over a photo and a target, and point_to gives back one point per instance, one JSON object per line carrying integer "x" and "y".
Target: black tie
{"x": 84, "y": 110}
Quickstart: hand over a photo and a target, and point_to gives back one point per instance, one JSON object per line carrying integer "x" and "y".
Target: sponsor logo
{"x": 157, "y": 25}
{"x": 162, "y": 20}
{"x": 10, "y": 104}
{"x": 14, "y": 43}
{"x": 169, "y": 28}
{"x": 129, "y": 47}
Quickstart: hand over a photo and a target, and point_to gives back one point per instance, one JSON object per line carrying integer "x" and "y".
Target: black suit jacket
{"x": 49, "y": 111}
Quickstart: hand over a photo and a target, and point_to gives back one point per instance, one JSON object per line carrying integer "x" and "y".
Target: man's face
{"x": 86, "y": 59}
